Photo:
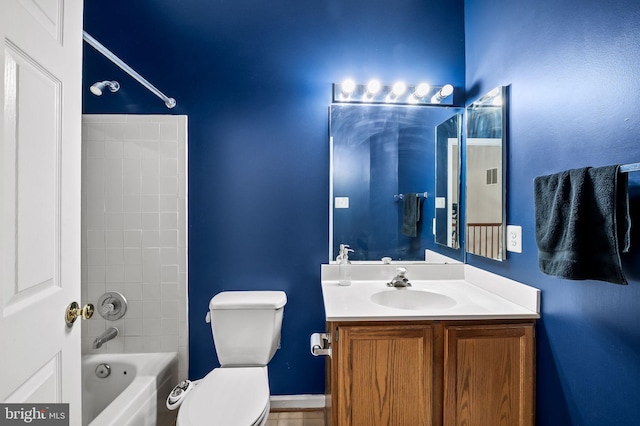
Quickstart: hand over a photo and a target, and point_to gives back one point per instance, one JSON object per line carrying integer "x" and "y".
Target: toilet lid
{"x": 227, "y": 397}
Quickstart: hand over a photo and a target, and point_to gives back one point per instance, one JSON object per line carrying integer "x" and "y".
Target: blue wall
{"x": 574, "y": 71}
{"x": 255, "y": 78}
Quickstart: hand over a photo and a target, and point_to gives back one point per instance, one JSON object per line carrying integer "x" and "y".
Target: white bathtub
{"x": 133, "y": 394}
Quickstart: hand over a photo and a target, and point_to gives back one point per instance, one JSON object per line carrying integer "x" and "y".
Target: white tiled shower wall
{"x": 134, "y": 230}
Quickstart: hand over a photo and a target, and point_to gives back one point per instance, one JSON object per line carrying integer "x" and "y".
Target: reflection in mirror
{"x": 380, "y": 155}
{"x": 485, "y": 172}
{"x": 447, "y": 182}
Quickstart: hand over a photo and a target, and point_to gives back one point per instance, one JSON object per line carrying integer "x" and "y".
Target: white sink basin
{"x": 411, "y": 299}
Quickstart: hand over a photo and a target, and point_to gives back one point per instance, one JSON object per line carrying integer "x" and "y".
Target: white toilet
{"x": 246, "y": 328}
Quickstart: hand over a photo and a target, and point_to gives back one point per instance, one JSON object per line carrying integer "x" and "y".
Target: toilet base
{"x": 236, "y": 396}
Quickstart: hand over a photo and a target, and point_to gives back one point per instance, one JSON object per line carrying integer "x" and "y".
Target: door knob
{"x": 74, "y": 311}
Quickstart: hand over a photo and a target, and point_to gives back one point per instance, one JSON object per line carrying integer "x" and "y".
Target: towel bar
{"x": 633, "y": 167}
{"x": 401, "y": 196}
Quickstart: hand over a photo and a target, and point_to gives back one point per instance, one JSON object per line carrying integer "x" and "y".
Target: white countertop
{"x": 478, "y": 295}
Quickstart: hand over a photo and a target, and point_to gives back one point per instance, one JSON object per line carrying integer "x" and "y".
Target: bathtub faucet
{"x": 109, "y": 334}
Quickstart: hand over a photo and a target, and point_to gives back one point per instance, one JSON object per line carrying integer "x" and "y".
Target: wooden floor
{"x": 296, "y": 418}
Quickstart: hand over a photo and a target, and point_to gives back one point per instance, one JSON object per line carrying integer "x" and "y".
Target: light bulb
{"x": 421, "y": 90}
{"x": 494, "y": 92}
{"x": 348, "y": 86}
{"x": 497, "y": 97}
{"x": 399, "y": 88}
{"x": 373, "y": 87}
{"x": 446, "y": 90}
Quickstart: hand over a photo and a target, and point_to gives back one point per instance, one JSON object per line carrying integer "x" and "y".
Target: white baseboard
{"x": 297, "y": 402}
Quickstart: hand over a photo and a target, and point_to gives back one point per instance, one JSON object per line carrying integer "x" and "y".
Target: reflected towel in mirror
{"x": 411, "y": 214}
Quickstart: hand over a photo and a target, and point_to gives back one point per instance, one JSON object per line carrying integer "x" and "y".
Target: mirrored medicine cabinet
{"x": 447, "y": 188}
{"x": 485, "y": 175}
{"x": 379, "y": 155}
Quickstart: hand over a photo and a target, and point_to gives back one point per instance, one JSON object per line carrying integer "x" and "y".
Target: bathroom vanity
{"x": 456, "y": 348}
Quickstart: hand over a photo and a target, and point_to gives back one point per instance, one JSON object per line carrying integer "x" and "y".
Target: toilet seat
{"x": 232, "y": 396}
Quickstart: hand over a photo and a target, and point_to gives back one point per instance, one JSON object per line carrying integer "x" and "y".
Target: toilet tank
{"x": 246, "y": 326}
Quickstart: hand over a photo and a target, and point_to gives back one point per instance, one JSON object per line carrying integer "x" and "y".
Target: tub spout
{"x": 109, "y": 334}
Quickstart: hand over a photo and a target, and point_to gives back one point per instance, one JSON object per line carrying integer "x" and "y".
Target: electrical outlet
{"x": 514, "y": 238}
{"x": 341, "y": 203}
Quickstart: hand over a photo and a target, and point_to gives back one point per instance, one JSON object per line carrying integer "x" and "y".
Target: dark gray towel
{"x": 410, "y": 215}
{"x": 582, "y": 223}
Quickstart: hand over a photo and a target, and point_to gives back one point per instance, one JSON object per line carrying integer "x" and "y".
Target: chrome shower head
{"x": 98, "y": 87}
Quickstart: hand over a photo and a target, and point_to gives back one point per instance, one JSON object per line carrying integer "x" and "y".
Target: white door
{"x": 41, "y": 57}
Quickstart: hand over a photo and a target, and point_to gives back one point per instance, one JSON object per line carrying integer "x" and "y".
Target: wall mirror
{"x": 485, "y": 175}
{"x": 447, "y": 142}
{"x": 379, "y": 154}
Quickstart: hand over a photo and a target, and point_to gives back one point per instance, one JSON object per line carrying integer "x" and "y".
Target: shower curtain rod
{"x": 169, "y": 102}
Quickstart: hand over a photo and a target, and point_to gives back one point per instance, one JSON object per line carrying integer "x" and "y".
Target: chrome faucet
{"x": 399, "y": 281}
{"x": 109, "y": 334}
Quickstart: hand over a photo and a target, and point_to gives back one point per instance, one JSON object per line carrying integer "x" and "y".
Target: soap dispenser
{"x": 344, "y": 265}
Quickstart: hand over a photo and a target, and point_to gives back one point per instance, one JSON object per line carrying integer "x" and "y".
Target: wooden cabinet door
{"x": 489, "y": 375}
{"x": 385, "y": 376}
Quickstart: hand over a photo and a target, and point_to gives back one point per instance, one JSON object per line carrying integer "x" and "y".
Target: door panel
{"x": 44, "y": 385}
{"x": 385, "y": 376}
{"x": 32, "y": 98}
{"x": 489, "y": 375}
{"x": 48, "y": 14}
{"x": 41, "y": 58}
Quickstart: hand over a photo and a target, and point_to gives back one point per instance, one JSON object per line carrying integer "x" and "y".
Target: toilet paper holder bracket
{"x": 320, "y": 344}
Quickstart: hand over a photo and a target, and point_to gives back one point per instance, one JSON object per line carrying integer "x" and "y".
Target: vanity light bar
{"x": 398, "y": 93}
